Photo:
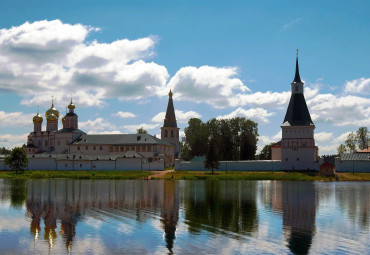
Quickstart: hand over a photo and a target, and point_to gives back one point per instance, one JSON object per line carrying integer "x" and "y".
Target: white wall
{"x": 41, "y": 164}
{"x": 249, "y": 165}
{"x": 352, "y": 165}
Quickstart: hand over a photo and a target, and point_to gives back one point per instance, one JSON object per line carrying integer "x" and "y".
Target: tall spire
{"x": 170, "y": 119}
{"x": 297, "y": 78}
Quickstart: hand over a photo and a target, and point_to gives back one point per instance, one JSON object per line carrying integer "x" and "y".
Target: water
{"x": 183, "y": 217}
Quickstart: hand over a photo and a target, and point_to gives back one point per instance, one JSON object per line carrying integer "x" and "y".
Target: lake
{"x": 183, "y": 217}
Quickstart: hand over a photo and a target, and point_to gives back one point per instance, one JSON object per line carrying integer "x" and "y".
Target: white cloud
{"x": 290, "y": 23}
{"x": 124, "y": 115}
{"x": 212, "y": 85}
{"x": 133, "y": 128}
{"x": 51, "y": 57}
{"x": 182, "y": 117}
{"x": 361, "y": 85}
{"x": 256, "y": 114}
{"x": 264, "y": 140}
{"x": 11, "y": 141}
{"x": 14, "y": 119}
{"x": 340, "y": 110}
{"x": 323, "y": 136}
{"x": 96, "y": 126}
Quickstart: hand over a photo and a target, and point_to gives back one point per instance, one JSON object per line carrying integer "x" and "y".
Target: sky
{"x": 222, "y": 59}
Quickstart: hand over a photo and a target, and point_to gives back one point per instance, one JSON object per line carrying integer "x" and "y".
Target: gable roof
{"x": 120, "y": 139}
{"x": 356, "y": 156}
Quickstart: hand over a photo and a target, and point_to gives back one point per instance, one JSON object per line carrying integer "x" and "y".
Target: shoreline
{"x": 182, "y": 175}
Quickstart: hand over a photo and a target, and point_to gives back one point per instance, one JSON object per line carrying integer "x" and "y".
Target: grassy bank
{"x": 283, "y": 176}
{"x": 52, "y": 174}
{"x": 184, "y": 175}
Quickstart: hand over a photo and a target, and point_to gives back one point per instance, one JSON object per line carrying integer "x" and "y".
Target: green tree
{"x": 4, "y": 151}
{"x": 196, "y": 137}
{"x": 141, "y": 131}
{"x": 351, "y": 142}
{"x": 265, "y": 153}
{"x": 341, "y": 149}
{"x": 363, "y": 137}
{"x": 212, "y": 158}
{"x": 17, "y": 159}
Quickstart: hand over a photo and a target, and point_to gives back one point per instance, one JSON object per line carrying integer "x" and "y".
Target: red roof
{"x": 367, "y": 150}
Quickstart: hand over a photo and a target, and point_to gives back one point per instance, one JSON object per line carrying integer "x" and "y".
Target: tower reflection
{"x": 299, "y": 212}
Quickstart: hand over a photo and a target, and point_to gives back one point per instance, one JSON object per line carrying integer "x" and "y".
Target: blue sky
{"x": 118, "y": 59}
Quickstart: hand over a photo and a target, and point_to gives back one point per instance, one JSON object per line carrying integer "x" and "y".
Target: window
{"x": 78, "y": 148}
{"x": 94, "y": 148}
{"x": 58, "y": 142}
{"x": 87, "y": 148}
{"x": 297, "y": 159}
{"x": 101, "y": 148}
{"x": 66, "y": 165}
{"x": 80, "y": 165}
{"x": 171, "y": 133}
{"x": 165, "y": 133}
{"x": 116, "y": 148}
{"x": 286, "y": 159}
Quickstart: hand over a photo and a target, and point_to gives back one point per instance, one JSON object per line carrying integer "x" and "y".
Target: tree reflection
{"x": 299, "y": 211}
{"x": 221, "y": 205}
{"x": 18, "y": 192}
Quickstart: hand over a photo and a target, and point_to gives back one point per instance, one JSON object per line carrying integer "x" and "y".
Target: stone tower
{"x": 298, "y": 151}
{"x": 170, "y": 131}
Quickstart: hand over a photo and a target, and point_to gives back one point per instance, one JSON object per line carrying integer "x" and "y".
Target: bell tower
{"x": 298, "y": 150}
{"x": 170, "y": 131}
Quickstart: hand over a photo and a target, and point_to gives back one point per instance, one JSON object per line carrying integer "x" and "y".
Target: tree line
{"x": 358, "y": 140}
{"x": 227, "y": 139}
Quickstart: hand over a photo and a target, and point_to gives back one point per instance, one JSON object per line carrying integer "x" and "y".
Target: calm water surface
{"x": 183, "y": 217}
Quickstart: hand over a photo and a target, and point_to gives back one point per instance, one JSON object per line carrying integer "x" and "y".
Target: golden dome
{"x": 170, "y": 94}
{"x": 63, "y": 119}
{"x": 37, "y": 118}
{"x": 52, "y": 110}
{"x": 51, "y": 117}
{"x": 71, "y": 105}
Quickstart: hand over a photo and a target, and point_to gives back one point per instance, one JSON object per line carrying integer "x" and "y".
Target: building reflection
{"x": 299, "y": 212}
{"x": 63, "y": 202}
{"x": 170, "y": 213}
{"x": 222, "y": 207}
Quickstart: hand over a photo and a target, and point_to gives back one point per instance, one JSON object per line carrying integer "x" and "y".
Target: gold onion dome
{"x": 37, "y": 118}
{"x": 52, "y": 117}
{"x": 71, "y": 105}
{"x": 170, "y": 94}
{"x": 63, "y": 119}
{"x": 52, "y": 110}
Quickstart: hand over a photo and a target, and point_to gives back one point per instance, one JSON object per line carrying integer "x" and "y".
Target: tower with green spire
{"x": 170, "y": 131}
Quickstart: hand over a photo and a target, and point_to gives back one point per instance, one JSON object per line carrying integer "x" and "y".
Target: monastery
{"x": 68, "y": 142}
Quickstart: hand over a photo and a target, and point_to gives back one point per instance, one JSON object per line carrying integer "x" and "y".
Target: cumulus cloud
{"x": 10, "y": 140}
{"x": 98, "y": 125}
{"x": 361, "y": 86}
{"x": 51, "y": 57}
{"x": 125, "y": 115}
{"x": 212, "y": 85}
{"x": 182, "y": 117}
{"x": 340, "y": 110}
{"x": 14, "y": 119}
{"x": 256, "y": 114}
{"x": 323, "y": 136}
{"x": 133, "y": 128}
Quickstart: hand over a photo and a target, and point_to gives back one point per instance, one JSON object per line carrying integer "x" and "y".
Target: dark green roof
{"x": 120, "y": 139}
{"x": 356, "y": 156}
{"x": 297, "y": 113}
{"x": 70, "y": 130}
{"x": 170, "y": 119}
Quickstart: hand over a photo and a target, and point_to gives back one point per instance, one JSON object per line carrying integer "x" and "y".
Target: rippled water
{"x": 197, "y": 217}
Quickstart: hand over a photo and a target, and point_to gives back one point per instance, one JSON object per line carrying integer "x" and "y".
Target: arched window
{"x": 171, "y": 133}
{"x": 165, "y": 133}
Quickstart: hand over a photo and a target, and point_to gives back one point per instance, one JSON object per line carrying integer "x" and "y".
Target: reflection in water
{"x": 170, "y": 213}
{"x": 157, "y": 217}
{"x": 299, "y": 210}
{"x": 214, "y": 206}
